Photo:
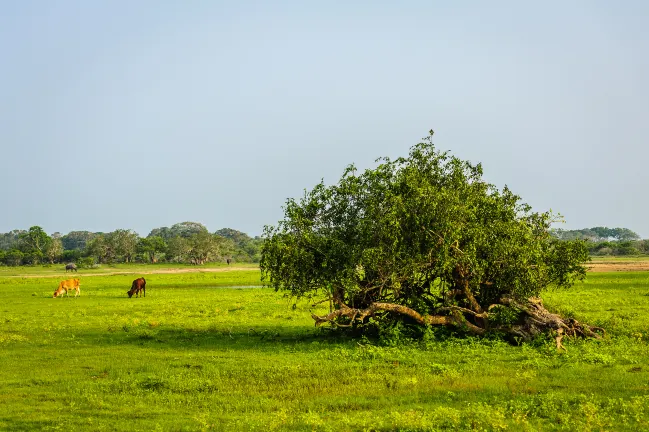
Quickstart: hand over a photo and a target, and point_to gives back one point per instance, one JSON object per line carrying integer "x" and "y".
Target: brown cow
{"x": 138, "y": 285}
{"x": 67, "y": 285}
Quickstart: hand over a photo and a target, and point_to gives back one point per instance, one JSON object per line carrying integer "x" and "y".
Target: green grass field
{"x": 209, "y": 351}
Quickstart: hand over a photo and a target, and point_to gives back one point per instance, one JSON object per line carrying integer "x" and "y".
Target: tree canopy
{"x": 186, "y": 242}
{"x": 422, "y": 239}
{"x": 596, "y": 234}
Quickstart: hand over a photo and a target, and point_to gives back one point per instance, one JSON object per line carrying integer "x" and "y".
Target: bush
{"x": 13, "y": 258}
{"x": 71, "y": 255}
{"x": 86, "y": 262}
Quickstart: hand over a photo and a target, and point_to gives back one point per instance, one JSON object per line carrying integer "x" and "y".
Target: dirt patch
{"x": 618, "y": 266}
{"x": 158, "y": 271}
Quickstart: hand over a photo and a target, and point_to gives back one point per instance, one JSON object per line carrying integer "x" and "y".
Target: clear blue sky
{"x": 140, "y": 114}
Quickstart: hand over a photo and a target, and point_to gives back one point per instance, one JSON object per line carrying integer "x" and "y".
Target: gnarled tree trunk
{"x": 533, "y": 318}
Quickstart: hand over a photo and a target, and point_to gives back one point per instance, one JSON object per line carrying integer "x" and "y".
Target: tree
{"x": 77, "y": 239}
{"x": 163, "y": 232}
{"x": 98, "y": 248}
{"x": 178, "y": 249}
{"x": 152, "y": 247}
{"x": 423, "y": 240}
{"x": 11, "y": 239}
{"x": 54, "y": 250}
{"x": 13, "y": 257}
{"x": 243, "y": 247}
{"x": 596, "y": 234}
{"x": 203, "y": 247}
{"x": 187, "y": 229}
{"x": 34, "y": 244}
{"x": 123, "y": 243}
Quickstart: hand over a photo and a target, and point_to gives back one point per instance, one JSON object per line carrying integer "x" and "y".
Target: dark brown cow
{"x": 137, "y": 286}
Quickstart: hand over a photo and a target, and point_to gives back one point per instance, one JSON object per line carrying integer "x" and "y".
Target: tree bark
{"x": 533, "y": 320}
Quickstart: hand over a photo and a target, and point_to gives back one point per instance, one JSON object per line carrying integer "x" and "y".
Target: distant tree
{"x": 54, "y": 250}
{"x": 152, "y": 247}
{"x": 423, "y": 241}
{"x": 34, "y": 243}
{"x": 643, "y": 246}
{"x": 13, "y": 257}
{"x": 182, "y": 229}
{"x": 11, "y": 239}
{"x": 626, "y": 248}
{"x": 596, "y": 234}
{"x": 100, "y": 250}
{"x": 237, "y": 236}
{"x": 187, "y": 229}
{"x": 178, "y": 249}
{"x": 203, "y": 247}
{"x": 71, "y": 255}
{"x": 123, "y": 243}
{"x": 77, "y": 240}
{"x": 246, "y": 248}
{"x": 162, "y": 232}
{"x": 624, "y": 234}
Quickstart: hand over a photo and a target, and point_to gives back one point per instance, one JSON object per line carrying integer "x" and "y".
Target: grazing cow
{"x": 228, "y": 261}
{"x": 67, "y": 285}
{"x": 70, "y": 267}
{"x": 138, "y": 285}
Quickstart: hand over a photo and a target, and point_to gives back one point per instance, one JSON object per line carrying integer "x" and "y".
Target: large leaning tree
{"x": 424, "y": 240}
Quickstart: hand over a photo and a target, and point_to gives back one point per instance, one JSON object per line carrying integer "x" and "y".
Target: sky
{"x": 136, "y": 115}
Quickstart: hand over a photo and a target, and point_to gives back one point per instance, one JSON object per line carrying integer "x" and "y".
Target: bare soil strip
{"x": 618, "y": 266}
{"x": 592, "y": 267}
{"x": 159, "y": 271}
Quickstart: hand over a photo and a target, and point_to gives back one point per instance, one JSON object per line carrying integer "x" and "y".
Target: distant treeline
{"x": 607, "y": 241}
{"x": 185, "y": 242}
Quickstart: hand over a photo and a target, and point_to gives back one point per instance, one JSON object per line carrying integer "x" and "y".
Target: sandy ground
{"x": 593, "y": 267}
{"x": 159, "y": 271}
{"x": 618, "y": 266}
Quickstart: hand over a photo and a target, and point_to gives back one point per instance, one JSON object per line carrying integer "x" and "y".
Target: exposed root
{"x": 533, "y": 319}
{"x": 558, "y": 339}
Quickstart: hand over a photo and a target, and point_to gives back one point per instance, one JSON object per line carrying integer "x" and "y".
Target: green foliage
{"x": 182, "y": 229}
{"x": 86, "y": 262}
{"x": 10, "y": 240}
{"x": 152, "y": 247}
{"x": 71, "y": 256}
{"x": 77, "y": 240}
{"x": 596, "y": 234}
{"x": 13, "y": 257}
{"x": 415, "y": 232}
{"x": 34, "y": 243}
{"x": 504, "y": 316}
{"x": 618, "y": 248}
{"x": 245, "y": 248}
{"x": 197, "y": 249}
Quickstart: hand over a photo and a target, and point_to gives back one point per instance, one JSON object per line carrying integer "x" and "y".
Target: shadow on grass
{"x": 258, "y": 337}
{"x": 14, "y": 424}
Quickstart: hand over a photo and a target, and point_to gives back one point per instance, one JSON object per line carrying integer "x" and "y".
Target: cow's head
{"x": 130, "y": 293}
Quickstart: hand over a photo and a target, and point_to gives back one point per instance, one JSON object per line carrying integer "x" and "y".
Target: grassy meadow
{"x": 215, "y": 351}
